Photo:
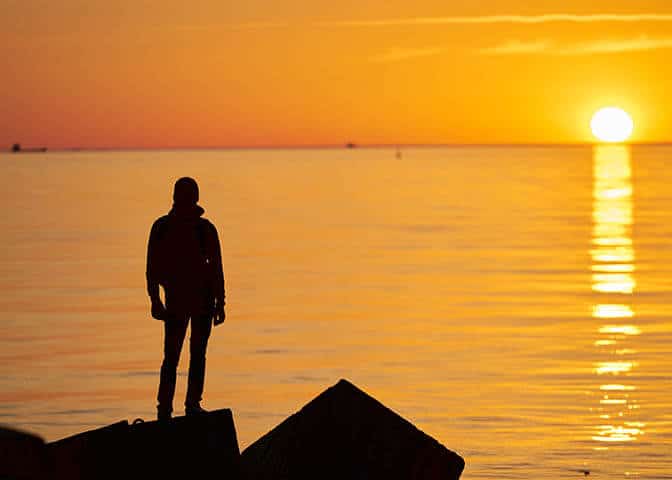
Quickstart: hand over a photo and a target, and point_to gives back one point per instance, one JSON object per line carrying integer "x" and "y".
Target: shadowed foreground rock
{"x": 346, "y": 434}
{"x": 22, "y": 456}
{"x": 184, "y": 448}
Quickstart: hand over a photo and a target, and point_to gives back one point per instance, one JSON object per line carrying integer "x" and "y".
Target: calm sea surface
{"x": 514, "y": 303}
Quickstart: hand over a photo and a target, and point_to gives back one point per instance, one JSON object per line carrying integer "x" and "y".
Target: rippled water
{"x": 512, "y": 302}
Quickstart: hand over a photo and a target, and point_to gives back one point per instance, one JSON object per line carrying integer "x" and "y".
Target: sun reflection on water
{"x": 612, "y": 311}
{"x": 620, "y": 329}
{"x": 614, "y": 368}
{"x": 613, "y": 268}
{"x": 617, "y": 387}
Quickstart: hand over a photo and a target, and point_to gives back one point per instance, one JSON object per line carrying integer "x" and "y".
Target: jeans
{"x": 175, "y": 330}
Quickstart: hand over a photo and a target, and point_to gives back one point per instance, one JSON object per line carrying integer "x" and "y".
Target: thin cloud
{"x": 399, "y": 54}
{"x": 516, "y": 47}
{"x": 517, "y": 19}
{"x": 639, "y": 44}
{"x": 262, "y": 25}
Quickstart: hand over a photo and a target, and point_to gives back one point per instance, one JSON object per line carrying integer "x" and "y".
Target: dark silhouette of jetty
{"x": 341, "y": 434}
{"x": 22, "y": 456}
{"x": 181, "y": 448}
{"x": 346, "y": 434}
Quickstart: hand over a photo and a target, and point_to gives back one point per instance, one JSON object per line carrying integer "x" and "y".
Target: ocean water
{"x": 514, "y": 303}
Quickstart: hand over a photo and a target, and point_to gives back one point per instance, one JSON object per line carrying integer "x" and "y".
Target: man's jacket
{"x": 184, "y": 257}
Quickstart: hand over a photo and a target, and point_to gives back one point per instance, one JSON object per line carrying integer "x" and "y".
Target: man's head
{"x": 185, "y": 192}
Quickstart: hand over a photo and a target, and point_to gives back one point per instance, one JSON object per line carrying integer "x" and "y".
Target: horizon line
{"x": 345, "y": 146}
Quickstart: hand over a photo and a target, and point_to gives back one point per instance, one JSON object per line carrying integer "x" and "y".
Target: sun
{"x": 611, "y": 124}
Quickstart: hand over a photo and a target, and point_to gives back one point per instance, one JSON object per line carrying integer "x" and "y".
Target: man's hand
{"x": 220, "y": 315}
{"x": 158, "y": 310}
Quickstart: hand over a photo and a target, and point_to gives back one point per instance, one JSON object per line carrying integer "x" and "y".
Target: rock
{"x": 198, "y": 447}
{"x": 184, "y": 447}
{"x": 346, "y": 434}
{"x": 22, "y": 456}
{"x": 92, "y": 454}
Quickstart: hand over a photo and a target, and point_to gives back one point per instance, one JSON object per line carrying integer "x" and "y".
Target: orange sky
{"x": 142, "y": 73}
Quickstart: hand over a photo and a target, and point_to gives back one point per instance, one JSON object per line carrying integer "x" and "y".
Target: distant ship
{"x": 16, "y": 148}
{"x": 350, "y": 145}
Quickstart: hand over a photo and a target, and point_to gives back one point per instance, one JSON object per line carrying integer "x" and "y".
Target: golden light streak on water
{"x": 607, "y": 242}
{"x": 616, "y": 387}
{"x": 613, "y": 401}
{"x": 620, "y": 254}
{"x": 612, "y": 311}
{"x": 621, "y": 329}
{"x": 611, "y": 433}
{"x": 615, "y": 368}
{"x": 613, "y": 283}
{"x": 613, "y": 268}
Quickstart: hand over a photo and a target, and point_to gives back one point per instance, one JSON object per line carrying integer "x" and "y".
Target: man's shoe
{"x": 193, "y": 410}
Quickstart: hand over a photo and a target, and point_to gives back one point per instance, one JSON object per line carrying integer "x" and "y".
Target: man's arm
{"x": 158, "y": 310}
{"x": 218, "y": 276}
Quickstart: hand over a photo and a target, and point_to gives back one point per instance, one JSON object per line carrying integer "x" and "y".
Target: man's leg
{"x": 198, "y": 343}
{"x": 175, "y": 330}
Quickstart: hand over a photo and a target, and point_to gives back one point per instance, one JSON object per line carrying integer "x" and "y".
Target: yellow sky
{"x": 140, "y": 73}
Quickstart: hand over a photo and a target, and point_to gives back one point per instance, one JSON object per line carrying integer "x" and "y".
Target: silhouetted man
{"x": 184, "y": 257}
